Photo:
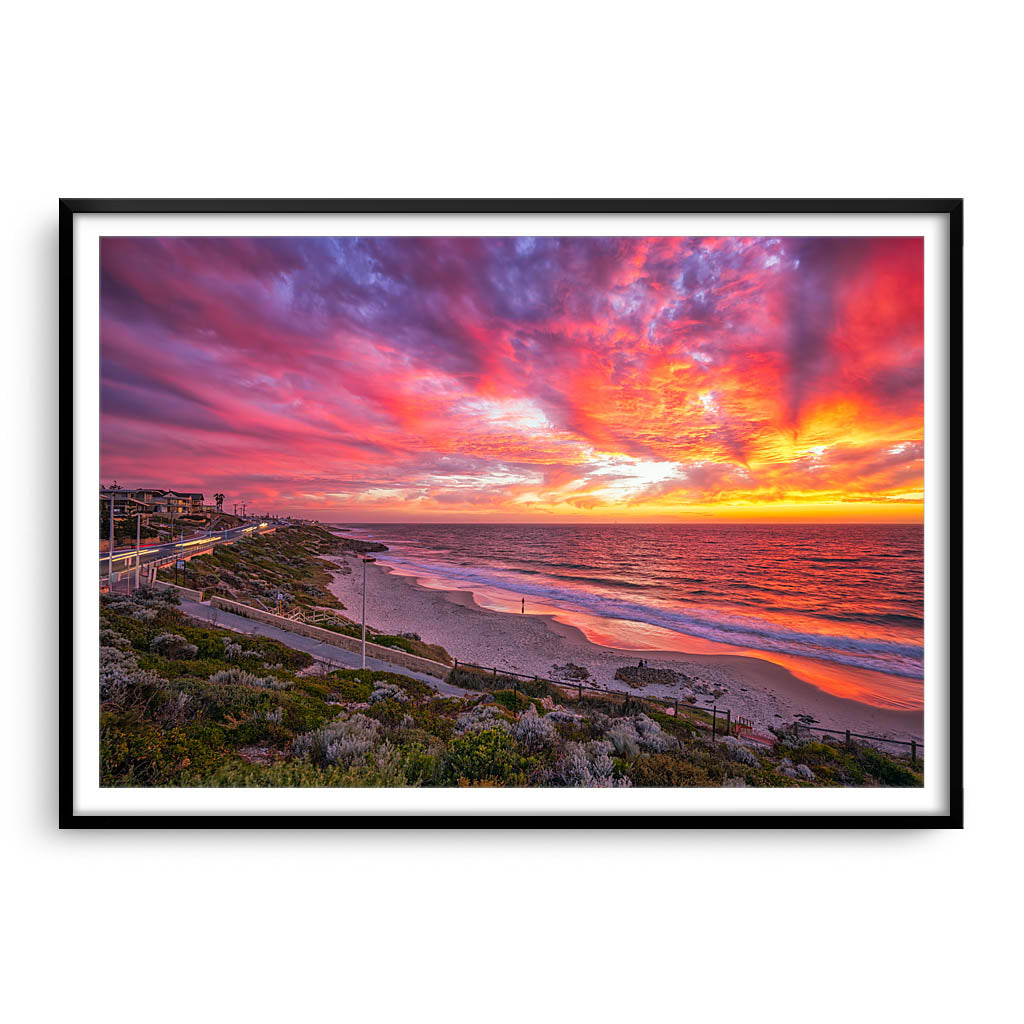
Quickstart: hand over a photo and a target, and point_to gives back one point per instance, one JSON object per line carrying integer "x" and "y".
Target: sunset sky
{"x": 519, "y": 379}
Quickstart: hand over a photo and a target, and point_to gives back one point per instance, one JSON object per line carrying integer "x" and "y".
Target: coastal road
{"x": 124, "y": 558}
{"x": 319, "y": 649}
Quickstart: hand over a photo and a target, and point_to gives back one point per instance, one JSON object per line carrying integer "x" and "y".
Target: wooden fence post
{"x": 579, "y": 691}
{"x": 847, "y": 737}
{"x": 675, "y": 713}
{"x": 728, "y": 722}
{"x": 714, "y": 721}
{"x": 913, "y": 751}
{"x": 456, "y": 664}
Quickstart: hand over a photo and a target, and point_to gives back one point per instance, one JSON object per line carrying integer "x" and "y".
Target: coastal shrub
{"x": 154, "y": 597}
{"x": 148, "y": 754}
{"x": 652, "y": 736}
{"x": 712, "y": 760}
{"x": 433, "y": 652}
{"x": 562, "y": 715}
{"x": 533, "y": 733}
{"x": 586, "y": 766}
{"x": 239, "y": 677}
{"x": 682, "y": 727}
{"x": 115, "y": 665}
{"x": 378, "y": 678}
{"x": 388, "y": 691}
{"x": 859, "y": 764}
{"x": 123, "y": 685}
{"x": 662, "y": 770}
{"x": 278, "y": 775}
{"x": 887, "y": 770}
{"x": 435, "y": 717}
{"x": 416, "y": 767}
{"x": 624, "y": 739}
{"x": 738, "y": 752}
{"x": 233, "y": 651}
{"x": 390, "y": 714}
{"x": 173, "y": 645}
{"x": 142, "y": 600}
{"x": 342, "y": 742}
{"x": 488, "y": 756}
{"x": 475, "y": 679}
{"x": 389, "y": 766}
{"x": 573, "y": 768}
{"x": 514, "y": 701}
{"x": 423, "y": 765}
{"x": 479, "y": 718}
{"x": 111, "y": 638}
{"x": 178, "y": 710}
{"x": 537, "y": 688}
{"x": 349, "y": 690}
{"x": 631, "y": 735}
{"x": 275, "y": 717}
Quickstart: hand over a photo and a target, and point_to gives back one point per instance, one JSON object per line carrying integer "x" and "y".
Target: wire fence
{"x": 722, "y": 720}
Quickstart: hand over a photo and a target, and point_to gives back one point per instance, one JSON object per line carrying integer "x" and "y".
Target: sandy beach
{"x": 762, "y": 690}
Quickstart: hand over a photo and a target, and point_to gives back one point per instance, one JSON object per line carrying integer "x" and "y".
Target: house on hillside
{"x": 150, "y": 501}
{"x": 187, "y": 501}
{"x": 125, "y": 503}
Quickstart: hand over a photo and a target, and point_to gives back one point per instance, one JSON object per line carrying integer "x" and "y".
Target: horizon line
{"x": 411, "y": 522}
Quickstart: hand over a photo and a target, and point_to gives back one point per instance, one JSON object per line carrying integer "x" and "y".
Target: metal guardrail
{"x": 193, "y": 546}
{"x": 159, "y": 562}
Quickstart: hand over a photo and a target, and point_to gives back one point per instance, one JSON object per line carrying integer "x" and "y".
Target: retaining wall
{"x": 183, "y": 592}
{"x": 328, "y": 636}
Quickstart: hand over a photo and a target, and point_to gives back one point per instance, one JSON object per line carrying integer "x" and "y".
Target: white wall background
{"x": 548, "y": 99}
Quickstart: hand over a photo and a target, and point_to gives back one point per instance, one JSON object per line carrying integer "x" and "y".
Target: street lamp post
{"x": 138, "y": 546}
{"x": 110, "y": 561}
{"x": 366, "y": 558}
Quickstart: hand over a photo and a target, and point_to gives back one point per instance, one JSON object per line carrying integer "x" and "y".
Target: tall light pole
{"x": 110, "y": 562}
{"x": 138, "y": 546}
{"x": 366, "y": 558}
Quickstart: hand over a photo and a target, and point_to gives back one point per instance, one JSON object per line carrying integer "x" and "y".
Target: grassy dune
{"x": 186, "y": 704}
{"x": 258, "y": 568}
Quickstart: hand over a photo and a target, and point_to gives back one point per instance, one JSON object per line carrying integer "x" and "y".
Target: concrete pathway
{"x": 319, "y": 649}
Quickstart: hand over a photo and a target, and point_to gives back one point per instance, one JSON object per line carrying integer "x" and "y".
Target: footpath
{"x": 317, "y": 648}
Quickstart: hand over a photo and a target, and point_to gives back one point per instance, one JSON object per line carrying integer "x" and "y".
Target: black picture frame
{"x": 951, "y": 208}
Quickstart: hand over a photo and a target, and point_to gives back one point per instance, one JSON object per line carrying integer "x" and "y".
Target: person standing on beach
{"x": 524, "y": 605}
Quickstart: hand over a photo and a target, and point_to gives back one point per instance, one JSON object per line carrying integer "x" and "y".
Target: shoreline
{"x": 760, "y": 689}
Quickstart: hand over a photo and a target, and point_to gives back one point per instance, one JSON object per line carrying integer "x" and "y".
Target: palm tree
{"x": 219, "y": 498}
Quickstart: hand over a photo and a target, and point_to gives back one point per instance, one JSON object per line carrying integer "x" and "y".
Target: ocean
{"x": 844, "y": 595}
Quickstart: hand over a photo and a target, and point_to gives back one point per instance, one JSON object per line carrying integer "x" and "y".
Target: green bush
{"x": 489, "y": 756}
{"x": 143, "y": 754}
{"x": 472, "y": 679}
{"x": 517, "y": 701}
{"x": 433, "y": 652}
{"x": 887, "y": 770}
{"x": 351, "y": 690}
{"x": 652, "y": 770}
{"x": 436, "y": 717}
{"x": 389, "y": 713}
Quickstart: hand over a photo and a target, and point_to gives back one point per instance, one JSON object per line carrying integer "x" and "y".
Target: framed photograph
{"x": 528, "y": 513}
